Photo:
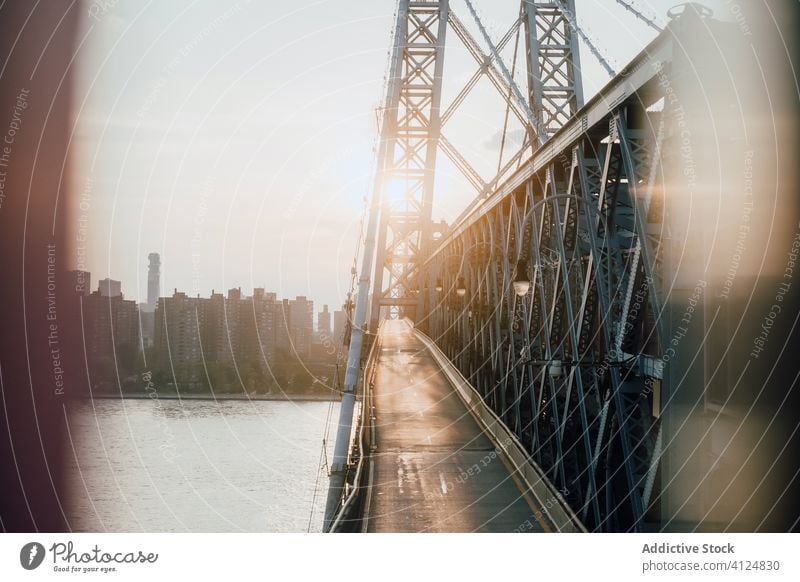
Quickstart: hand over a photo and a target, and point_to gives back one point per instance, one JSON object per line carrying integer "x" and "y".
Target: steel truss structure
{"x": 574, "y": 366}
{"x": 564, "y": 366}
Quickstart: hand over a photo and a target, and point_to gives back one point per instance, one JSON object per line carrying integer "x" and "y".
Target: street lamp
{"x": 461, "y": 289}
{"x": 554, "y": 369}
{"x": 521, "y": 281}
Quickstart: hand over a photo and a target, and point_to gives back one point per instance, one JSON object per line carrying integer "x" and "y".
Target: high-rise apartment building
{"x": 283, "y": 331}
{"x": 266, "y": 312}
{"x": 229, "y": 338}
{"x": 111, "y": 336}
{"x": 196, "y": 336}
{"x": 109, "y": 288}
{"x": 153, "y": 280}
{"x": 179, "y": 325}
{"x": 146, "y": 324}
{"x": 301, "y": 317}
{"x": 324, "y": 323}
{"x": 339, "y": 321}
{"x": 198, "y": 340}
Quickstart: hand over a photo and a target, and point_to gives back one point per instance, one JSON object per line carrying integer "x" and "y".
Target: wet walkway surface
{"x": 434, "y": 469}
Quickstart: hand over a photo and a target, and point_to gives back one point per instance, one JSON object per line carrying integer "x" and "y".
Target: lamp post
{"x": 521, "y": 280}
{"x": 449, "y": 279}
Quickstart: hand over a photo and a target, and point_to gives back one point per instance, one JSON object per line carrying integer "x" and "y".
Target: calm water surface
{"x": 197, "y": 466}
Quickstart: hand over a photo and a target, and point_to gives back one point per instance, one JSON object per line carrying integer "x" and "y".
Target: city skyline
{"x": 225, "y": 343}
{"x": 108, "y": 287}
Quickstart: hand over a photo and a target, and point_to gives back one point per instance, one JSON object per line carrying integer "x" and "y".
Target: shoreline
{"x": 215, "y": 397}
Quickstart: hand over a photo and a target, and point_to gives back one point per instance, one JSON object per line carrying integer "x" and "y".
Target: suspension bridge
{"x": 538, "y": 365}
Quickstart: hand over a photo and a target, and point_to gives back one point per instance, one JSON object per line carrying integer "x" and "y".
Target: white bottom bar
{"x": 231, "y": 557}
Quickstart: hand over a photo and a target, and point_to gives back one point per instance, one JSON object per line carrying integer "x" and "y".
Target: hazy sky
{"x": 236, "y": 139}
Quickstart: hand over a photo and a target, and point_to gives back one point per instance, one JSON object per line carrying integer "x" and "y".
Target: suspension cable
{"x": 508, "y": 100}
{"x": 632, "y": 9}
{"x": 573, "y": 23}
{"x": 521, "y": 101}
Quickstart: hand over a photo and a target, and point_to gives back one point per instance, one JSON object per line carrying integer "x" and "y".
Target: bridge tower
{"x": 412, "y": 128}
{"x": 555, "y": 91}
{"x": 413, "y": 125}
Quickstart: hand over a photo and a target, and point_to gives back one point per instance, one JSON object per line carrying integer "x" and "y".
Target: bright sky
{"x": 235, "y": 138}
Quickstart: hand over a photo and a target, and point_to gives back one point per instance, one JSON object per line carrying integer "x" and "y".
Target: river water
{"x": 197, "y": 466}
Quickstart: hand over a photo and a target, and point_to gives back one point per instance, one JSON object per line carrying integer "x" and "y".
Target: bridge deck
{"x": 434, "y": 469}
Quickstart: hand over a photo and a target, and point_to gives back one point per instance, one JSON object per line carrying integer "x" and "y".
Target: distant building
{"x": 147, "y": 325}
{"x": 230, "y": 338}
{"x": 283, "y": 331}
{"x": 266, "y": 312}
{"x": 153, "y": 281}
{"x": 199, "y": 338}
{"x": 246, "y": 339}
{"x": 250, "y": 329}
{"x": 324, "y": 323}
{"x": 197, "y": 341}
{"x": 111, "y": 336}
{"x": 214, "y": 335}
{"x": 147, "y": 310}
{"x": 179, "y": 325}
{"x": 339, "y": 322}
{"x": 109, "y": 288}
{"x": 301, "y": 318}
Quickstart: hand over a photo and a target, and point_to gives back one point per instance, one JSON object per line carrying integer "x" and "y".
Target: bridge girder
{"x": 592, "y": 427}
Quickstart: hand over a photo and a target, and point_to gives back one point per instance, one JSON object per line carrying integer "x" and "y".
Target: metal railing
{"x": 545, "y": 495}
{"x": 347, "y": 518}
